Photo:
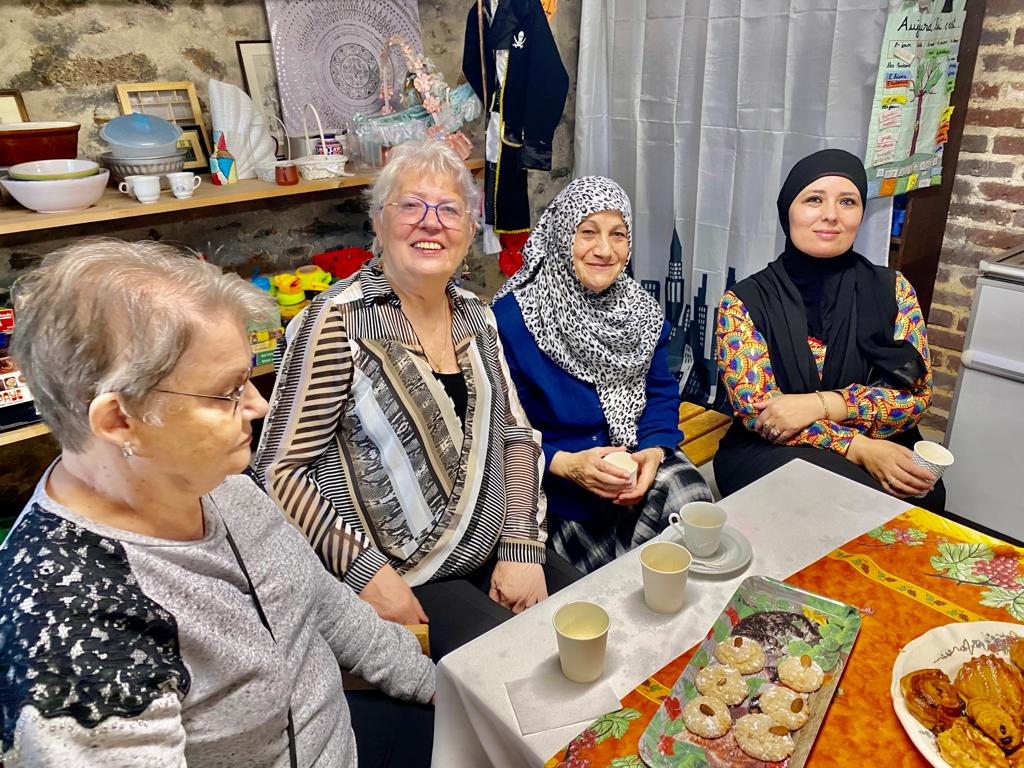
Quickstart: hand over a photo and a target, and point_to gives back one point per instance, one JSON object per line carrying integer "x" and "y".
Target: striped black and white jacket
{"x": 363, "y": 449}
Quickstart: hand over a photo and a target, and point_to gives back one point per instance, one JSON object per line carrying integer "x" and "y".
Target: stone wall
{"x": 987, "y": 211}
{"x": 66, "y": 56}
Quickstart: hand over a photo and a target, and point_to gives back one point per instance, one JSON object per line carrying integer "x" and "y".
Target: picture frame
{"x": 197, "y": 157}
{"x": 172, "y": 100}
{"x": 12, "y": 106}
{"x": 259, "y": 79}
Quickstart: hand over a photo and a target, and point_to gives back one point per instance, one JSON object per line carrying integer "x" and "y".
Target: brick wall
{"x": 986, "y": 215}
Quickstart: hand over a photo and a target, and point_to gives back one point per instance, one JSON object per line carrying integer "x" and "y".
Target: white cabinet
{"x": 986, "y": 424}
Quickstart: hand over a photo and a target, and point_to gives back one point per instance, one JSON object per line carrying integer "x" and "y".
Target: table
{"x": 792, "y": 517}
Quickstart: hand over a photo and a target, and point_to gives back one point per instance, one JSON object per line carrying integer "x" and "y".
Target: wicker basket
{"x": 313, "y": 167}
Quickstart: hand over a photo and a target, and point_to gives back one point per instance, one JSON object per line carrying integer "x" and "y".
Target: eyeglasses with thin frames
{"x": 234, "y": 396}
{"x": 413, "y": 210}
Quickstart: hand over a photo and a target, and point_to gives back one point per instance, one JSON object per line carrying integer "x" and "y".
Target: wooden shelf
{"x": 23, "y": 433}
{"x": 114, "y": 205}
{"x": 36, "y": 430}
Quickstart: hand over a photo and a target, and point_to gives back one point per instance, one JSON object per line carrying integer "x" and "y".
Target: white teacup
{"x": 582, "y": 631}
{"x": 700, "y": 523}
{"x": 125, "y": 186}
{"x": 146, "y": 188}
{"x": 623, "y": 460}
{"x": 932, "y": 457}
{"x": 183, "y": 184}
{"x": 665, "y": 567}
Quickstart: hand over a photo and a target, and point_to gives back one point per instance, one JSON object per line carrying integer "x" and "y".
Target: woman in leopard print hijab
{"x": 586, "y": 347}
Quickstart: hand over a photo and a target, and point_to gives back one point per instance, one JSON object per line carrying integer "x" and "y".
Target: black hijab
{"x": 844, "y": 301}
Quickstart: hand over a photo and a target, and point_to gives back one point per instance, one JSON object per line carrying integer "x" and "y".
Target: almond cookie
{"x": 722, "y": 682}
{"x": 763, "y": 739}
{"x": 744, "y": 655}
{"x": 964, "y": 746}
{"x": 801, "y": 673}
{"x": 707, "y": 716}
{"x": 785, "y": 707}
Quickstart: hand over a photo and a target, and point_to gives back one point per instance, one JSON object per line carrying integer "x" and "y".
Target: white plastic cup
{"x": 183, "y": 184}
{"x": 125, "y": 187}
{"x": 623, "y": 460}
{"x": 665, "y": 567}
{"x": 582, "y": 632}
{"x": 146, "y": 188}
{"x": 700, "y": 523}
{"x": 932, "y": 457}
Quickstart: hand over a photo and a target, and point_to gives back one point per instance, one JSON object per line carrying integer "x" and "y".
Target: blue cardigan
{"x": 567, "y": 411}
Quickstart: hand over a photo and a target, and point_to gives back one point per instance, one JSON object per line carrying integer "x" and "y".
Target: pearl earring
{"x": 127, "y": 450}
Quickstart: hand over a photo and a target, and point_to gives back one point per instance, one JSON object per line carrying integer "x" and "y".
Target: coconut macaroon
{"x": 707, "y": 716}
{"x": 762, "y": 738}
{"x": 784, "y": 706}
{"x": 723, "y": 682}
{"x": 746, "y": 656}
{"x": 801, "y": 673}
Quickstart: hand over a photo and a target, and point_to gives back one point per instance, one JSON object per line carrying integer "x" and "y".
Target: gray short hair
{"x": 428, "y": 156}
{"x": 106, "y": 315}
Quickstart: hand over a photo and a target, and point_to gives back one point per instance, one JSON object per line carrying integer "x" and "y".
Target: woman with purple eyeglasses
{"x": 395, "y": 440}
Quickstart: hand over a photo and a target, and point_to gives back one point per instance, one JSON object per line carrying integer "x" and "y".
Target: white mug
{"x": 582, "y": 631}
{"x": 665, "y": 567}
{"x": 146, "y": 188}
{"x": 701, "y": 524}
{"x": 126, "y": 186}
{"x": 623, "y": 460}
{"x": 183, "y": 184}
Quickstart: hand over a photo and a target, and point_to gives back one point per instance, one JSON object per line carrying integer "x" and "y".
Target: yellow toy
{"x": 291, "y": 299}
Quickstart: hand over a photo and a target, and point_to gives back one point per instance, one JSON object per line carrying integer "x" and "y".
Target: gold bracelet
{"x": 828, "y": 416}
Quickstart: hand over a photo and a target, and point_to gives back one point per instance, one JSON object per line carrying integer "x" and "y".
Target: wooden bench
{"x": 702, "y": 430}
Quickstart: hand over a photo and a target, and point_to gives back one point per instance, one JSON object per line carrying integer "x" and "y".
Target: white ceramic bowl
{"x": 47, "y": 170}
{"x": 58, "y": 195}
{"x": 144, "y": 166}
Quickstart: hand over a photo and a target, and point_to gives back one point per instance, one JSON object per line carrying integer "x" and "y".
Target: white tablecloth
{"x": 792, "y": 517}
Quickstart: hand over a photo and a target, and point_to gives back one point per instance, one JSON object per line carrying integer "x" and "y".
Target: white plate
{"x": 946, "y": 648}
{"x": 733, "y": 552}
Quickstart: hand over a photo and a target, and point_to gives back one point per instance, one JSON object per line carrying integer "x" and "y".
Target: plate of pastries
{"x": 958, "y": 690}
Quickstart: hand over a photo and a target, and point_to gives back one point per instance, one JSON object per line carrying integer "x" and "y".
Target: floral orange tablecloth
{"x": 916, "y": 572}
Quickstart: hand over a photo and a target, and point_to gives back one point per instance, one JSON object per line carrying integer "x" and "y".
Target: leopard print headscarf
{"x": 607, "y": 338}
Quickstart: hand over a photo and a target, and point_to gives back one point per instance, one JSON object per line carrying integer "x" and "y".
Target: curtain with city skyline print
{"x": 699, "y": 108}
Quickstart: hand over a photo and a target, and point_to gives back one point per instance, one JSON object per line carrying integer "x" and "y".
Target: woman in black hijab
{"x": 824, "y": 354}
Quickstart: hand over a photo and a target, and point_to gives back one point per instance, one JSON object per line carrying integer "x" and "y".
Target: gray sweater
{"x": 122, "y": 649}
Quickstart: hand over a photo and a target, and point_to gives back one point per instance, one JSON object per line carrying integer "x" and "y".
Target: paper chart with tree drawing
{"x": 911, "y": 112}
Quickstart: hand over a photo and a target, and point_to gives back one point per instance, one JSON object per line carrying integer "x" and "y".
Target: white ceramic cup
{"x": 700, "y": 523}
{"x": 623, "y": 460}
{"x": 582, "y": 631}
{"x": 184, "y": 183}
{"x": 146, "y": 188}
{"x": 665, "y": 567}
{"x": 932, "y": 457}
{"x": 125, "y": 186}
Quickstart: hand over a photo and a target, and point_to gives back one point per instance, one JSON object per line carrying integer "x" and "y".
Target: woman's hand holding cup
{"x": 589, "y": 470}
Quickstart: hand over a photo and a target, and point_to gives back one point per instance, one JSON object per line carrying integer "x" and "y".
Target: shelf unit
{"x": 115, "y": 205}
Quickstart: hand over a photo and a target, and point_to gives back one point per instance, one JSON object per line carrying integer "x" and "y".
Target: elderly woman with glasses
{"x": 395, "y": 440}
{"x": 155, "y": 606}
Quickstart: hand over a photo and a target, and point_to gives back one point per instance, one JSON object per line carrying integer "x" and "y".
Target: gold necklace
{"x": 446, "y": 339}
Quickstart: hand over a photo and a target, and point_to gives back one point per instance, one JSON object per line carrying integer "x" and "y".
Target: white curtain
{"x": 699, "y": 108}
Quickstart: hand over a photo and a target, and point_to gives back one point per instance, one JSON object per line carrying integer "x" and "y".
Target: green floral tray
{"x": 801, "y": 623}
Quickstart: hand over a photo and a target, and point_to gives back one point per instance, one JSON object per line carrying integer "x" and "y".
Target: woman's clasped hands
{"x": 589, "y": 470}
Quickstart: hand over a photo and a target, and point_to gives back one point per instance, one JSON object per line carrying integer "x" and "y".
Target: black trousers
{"x": 396, "y": 733}
{"x": 744, "y": 457}
{"x": 460, "y": 610}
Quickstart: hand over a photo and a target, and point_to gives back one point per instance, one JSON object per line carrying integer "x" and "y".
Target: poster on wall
{"x": 327, "y": 53}
{"x": 911, "y": 112}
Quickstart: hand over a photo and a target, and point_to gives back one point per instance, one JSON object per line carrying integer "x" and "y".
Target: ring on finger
{"x": 890, "y": 480}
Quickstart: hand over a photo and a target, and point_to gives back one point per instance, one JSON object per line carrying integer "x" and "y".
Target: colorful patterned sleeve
{"x": 882, "y": 412}
{"x": 746, "y": 370}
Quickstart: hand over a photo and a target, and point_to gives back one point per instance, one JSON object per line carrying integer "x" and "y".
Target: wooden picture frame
{"x": 198, "y": 154}
{"x": 259, "y": 79}
{"x": 12, "y": 106}
{"x": 172, "y": 100}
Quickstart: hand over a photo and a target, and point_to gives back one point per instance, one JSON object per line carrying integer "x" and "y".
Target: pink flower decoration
{"x": 432, "y": 105}
{"x": 422, "y": 82}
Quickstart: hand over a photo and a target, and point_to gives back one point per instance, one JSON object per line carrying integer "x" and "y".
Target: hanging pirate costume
{"x": 525, "y": 90}
{"x": 591, "y": 370}
{"x": 806, "y": 324}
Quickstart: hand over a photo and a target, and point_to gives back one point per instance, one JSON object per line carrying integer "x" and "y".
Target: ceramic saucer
{"x": 733, "y": 552}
